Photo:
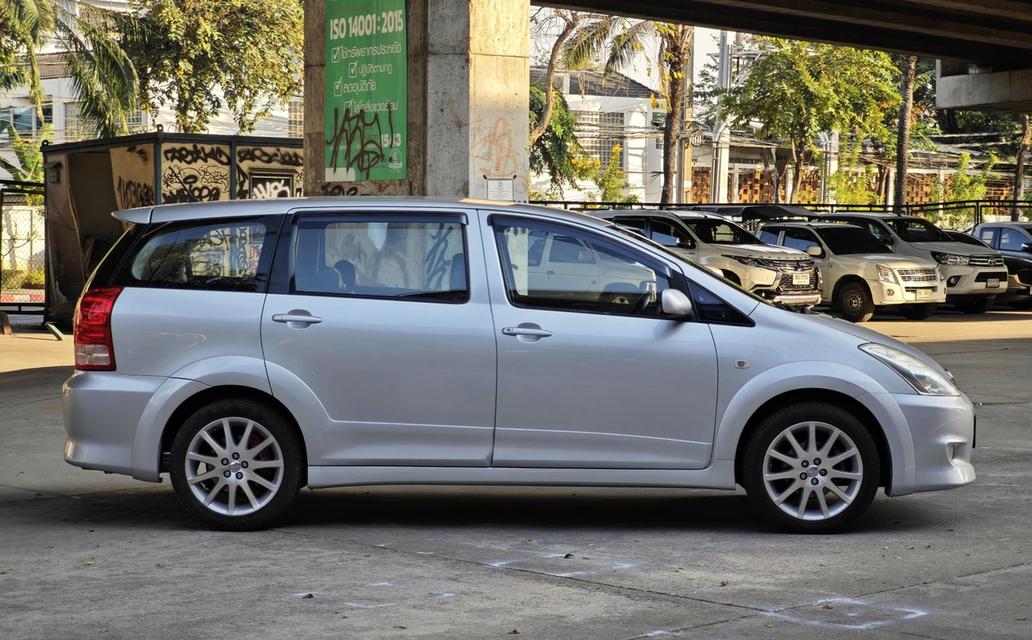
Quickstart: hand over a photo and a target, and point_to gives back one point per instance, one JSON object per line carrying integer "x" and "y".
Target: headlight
{"x": 949, "y": 258}
{"x": 887, "y": 275}
{"x": 752, "y": 262}
{"x": 925, "y": 379}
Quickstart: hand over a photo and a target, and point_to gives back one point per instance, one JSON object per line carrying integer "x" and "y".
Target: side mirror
{"x": 685, "y": 244}
{"x": 1027, "y": 247}
{"x": 675, "y": 304}
{"x": 815, "y": 251}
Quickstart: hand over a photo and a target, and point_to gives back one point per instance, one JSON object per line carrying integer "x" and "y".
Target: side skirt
{"x": 721, "y": 475}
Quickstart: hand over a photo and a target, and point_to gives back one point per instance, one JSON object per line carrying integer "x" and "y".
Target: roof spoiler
{"x": 139, "y": 215}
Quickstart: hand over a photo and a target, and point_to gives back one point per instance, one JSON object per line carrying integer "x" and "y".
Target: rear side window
{"x": 382, "y": 257}
{"x": 770, "y": 236}
{"x": 227, "y": 255}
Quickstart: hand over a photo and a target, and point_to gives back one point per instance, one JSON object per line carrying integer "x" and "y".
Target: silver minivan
{"x": 250, "y": 348}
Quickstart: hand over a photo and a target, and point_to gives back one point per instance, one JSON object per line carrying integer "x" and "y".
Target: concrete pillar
{"x": 468, "y": 69}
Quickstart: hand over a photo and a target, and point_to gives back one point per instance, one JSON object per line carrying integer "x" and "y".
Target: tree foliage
{"x": 555, "y": 150}
{"x": 24, "y": 27}
{"x": 962, "y": 185}
{"x": 797, "y": 90}
{"x": 197, "y": 56}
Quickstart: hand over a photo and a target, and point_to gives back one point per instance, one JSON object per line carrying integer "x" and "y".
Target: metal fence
{"x": 960, "y": 215}
{"x": 22, "y": 246}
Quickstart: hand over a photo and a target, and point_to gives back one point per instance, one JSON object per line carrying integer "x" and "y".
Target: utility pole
{"x": 721, "y": 132}
{"x": 684, "y": 147}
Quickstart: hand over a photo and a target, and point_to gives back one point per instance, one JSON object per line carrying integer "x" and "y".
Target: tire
{"x": 248, "y": 488}
{"x": 798, "y": 494}
{"x": 854, "y": 303}
{"x": 917, "y": 311}
{"x": 975, "y": 305}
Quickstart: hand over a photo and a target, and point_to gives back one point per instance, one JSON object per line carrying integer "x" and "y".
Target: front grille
{"x": 790, "y": 266}
{"x": 986, "y": 261}
{"x": 914, "y": 276}
{"x": 785, "y": 283}
{"x": 989, "y": 275}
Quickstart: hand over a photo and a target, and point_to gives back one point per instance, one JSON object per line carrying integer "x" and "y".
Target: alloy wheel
{"x": 234, "y": 466}
{"x": 812, "y": 471}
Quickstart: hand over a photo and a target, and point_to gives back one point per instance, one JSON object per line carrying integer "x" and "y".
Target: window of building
{"x": 296, "y": 118}
{"x": 78, "y": 127}
{"x": 600, "y": 131}
{"x": 25, "y": 120}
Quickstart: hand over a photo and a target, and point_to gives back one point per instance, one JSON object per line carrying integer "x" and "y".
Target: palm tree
{"x": 24, "y": 27}
{"x": 908, "y": 71}
{"x": 104, "y": 78}
{"x": 619, "y": 40}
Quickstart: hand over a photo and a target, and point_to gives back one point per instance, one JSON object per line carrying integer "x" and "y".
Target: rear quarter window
{"x": 227, "y": 255}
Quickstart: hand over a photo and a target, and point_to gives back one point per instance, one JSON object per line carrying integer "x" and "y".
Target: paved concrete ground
{"x": 84, "y": 555}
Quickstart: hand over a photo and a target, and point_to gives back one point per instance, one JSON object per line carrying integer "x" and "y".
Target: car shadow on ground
{"x": 469, "y": 509}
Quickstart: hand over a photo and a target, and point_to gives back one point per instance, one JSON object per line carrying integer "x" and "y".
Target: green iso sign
{"x": 366, "y": 90}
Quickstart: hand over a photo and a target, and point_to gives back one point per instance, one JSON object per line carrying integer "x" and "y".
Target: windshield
{"x": 720, "y": 232}
{"x": 847, "y": 240}
{"x": 917, "y": 230}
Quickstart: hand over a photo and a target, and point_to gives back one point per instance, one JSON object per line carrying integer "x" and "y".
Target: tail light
{"x": 92, "y": 327}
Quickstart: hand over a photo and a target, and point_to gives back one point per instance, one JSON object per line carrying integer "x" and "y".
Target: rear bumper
{"x": 114, "y": 422}
{"x": 942, "y": 430}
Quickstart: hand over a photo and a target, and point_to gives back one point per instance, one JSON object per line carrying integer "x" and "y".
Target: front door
{"x": 591, "y": 375}
{"x": 386, "y": 319}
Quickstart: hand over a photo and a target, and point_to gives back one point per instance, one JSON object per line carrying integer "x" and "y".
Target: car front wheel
{"x": 236, "y": 464}
{"x": 811, "y": 468}
{"x": 854, "y": 302}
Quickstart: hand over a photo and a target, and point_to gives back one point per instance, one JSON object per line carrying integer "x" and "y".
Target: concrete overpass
{"x": 438, "y": 105}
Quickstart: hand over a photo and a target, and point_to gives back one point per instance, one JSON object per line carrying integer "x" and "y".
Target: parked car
{"x": 973, "y": 277}
{"x": 783, "y": 276}
{"x": 859, "y": 272}
{"x": 249, "y": 348}
{"x": 1014, "y": 241}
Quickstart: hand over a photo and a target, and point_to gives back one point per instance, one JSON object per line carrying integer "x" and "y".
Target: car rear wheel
{"x": 975, "y": 305}
{"x": 917, "y": 311}
{"x": 854, "y": 302}
{"x": 237, "y": 465}
{"x": 811, "y": 468}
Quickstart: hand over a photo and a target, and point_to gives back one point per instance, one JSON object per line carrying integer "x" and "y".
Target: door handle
{"x": 534, "y": 332}
{"x": 300, "y": 318}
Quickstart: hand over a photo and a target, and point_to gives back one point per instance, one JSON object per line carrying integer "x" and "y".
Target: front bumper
{"x": 942, "y": 429}
{"x": 779, "y": 286}
{"x": 965, "y": 281}
{"x": 890, "y": 294}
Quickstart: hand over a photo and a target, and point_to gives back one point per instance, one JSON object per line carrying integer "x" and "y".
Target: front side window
{"x": 849, "y": 240}
{"x": 1012, "y": 239}
{"x": 917, "y": 230}
{"x": 605, "y": 277}
{"x": 222, "y": 256}
{"x": 381, "y": 257}
{"x": 801, "y": 239}
{"x": 669, "y": 234}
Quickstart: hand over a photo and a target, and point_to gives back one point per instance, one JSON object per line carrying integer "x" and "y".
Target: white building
{"x": 611, "y": 111}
